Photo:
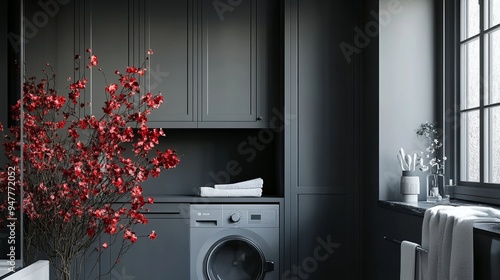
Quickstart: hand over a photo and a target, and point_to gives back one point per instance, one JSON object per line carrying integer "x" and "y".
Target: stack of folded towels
{"x": 249, "y": 188}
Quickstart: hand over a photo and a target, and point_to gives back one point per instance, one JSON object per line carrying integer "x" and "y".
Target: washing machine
{"x": 234, "y": 241}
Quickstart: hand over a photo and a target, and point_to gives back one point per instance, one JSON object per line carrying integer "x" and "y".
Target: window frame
{"x": 451, "y": 111}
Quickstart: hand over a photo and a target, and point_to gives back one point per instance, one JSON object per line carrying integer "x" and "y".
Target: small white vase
{"x": 410, "y": 186}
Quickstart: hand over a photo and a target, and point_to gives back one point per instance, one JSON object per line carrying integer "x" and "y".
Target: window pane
{"x": 494, "y": 14}
{"x": 469, "y": 89}
{"x": 492, "y": 145}
{"x": 469, "y": 149}
{"x": 470, "y": 18}
{"x": 493, "y": 63}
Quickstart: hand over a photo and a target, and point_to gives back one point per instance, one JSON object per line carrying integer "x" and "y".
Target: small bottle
{"x": 435, "y": 187}
{"x": 446, "y": 190}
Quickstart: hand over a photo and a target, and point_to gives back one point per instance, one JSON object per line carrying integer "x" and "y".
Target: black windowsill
{"x": 418, "y": 208}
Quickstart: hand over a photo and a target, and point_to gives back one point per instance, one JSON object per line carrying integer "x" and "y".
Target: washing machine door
{"x": 236, "y": 258}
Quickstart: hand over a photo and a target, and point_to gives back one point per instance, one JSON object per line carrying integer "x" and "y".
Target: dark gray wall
{"x": 211, "y": 156}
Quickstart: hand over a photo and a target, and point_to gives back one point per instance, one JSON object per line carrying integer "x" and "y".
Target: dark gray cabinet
{"x": 239, "y": 61}
{"x": 228, "y": 61}
{"x": 170, "y": 28}
{"x": 166, "y": 257}
{"x": 110, "y": 36}
{"x": 217, "y": 63}
{"x": 320, "y": 139}
{"x": 123, "y": 38}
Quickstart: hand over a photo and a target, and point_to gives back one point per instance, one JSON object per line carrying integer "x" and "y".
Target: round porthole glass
{"x": 234, "y": 258}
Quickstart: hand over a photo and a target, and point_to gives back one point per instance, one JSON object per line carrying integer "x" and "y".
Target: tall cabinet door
{"x": 320, "y": 140}
{"x": 228, "y": 61}
{"x": 170, "y": 31}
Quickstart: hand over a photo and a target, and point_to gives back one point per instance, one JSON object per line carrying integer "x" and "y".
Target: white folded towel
{"x": 256, "y": 183}
{"x": 213, "y": 192}
{"x": 408, "y": 260}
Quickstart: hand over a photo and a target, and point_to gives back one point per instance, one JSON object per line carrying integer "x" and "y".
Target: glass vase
{"x": 437, "y": 190}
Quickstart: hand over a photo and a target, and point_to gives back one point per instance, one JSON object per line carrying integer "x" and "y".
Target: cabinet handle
{"x": 259, "y": 118}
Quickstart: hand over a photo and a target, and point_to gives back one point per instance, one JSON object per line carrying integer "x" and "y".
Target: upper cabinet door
{"x": 228, "y": 61}
{"x": 170, "y": 31}
{"x": 110, "y": 30}
{"x": 122, "y": 38}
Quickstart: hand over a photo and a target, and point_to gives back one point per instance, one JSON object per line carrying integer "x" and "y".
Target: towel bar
{"x": 420, "y": 249}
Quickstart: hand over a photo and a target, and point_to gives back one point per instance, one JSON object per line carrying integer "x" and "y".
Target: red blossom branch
{"x": 77, "y": 169}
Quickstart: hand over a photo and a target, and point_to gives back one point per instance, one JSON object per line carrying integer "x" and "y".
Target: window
{"x": 479, "y": 93}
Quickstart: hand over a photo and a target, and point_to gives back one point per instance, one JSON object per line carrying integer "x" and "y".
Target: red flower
{"x": 136, "y": 191}
{"x": 61, "y": 124}
{"x": 93, "y": 60}
{"x": 67, "y": 217}
{"x": 141, "y": 72}
{"x": 130, "y": 235}
{"x": 152, "y": 235}
{"x": 112, "y": 88}
{"x": 131, "y": 69}
{"x": 105, "y": 245}
{"x": 73, "y": 133}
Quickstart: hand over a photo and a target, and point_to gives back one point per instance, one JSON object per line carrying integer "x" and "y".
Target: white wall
{"x": 407, "y": 83}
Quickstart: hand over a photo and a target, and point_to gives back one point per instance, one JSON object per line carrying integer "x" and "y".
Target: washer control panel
{"x": 234, "y": 215}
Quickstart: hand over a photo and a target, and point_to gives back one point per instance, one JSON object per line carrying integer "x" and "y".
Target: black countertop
{"x": 418, "y": 208}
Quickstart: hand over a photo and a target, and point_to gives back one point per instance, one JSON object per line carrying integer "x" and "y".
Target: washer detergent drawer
{"x": 234, "y": 242}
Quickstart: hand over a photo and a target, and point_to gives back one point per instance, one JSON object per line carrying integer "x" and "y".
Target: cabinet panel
{"x": 320, "y": 140}
{"x": 168, "y": 254}
{"x": 228, "y": 61}
{"x": 109, "y": 31}
{"x": 170, "y": 25}
{"x": 322, "y": 238}
{"x": 165, "y": 257}
{"x": 324, "y": 95}
{"x": 269, "y": 59}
